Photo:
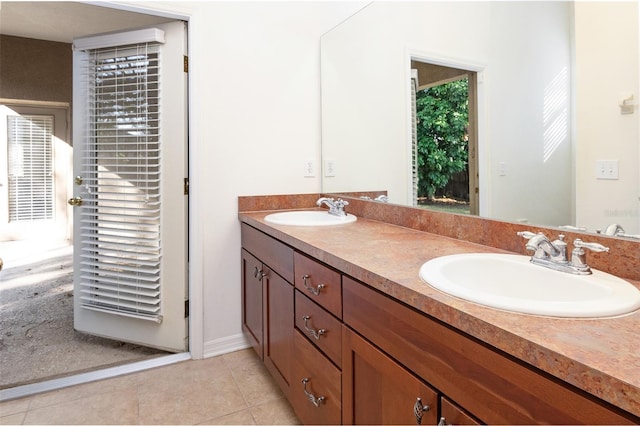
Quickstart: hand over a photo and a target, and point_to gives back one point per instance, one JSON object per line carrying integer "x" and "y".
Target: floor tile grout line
{"x": 235, "y": 381}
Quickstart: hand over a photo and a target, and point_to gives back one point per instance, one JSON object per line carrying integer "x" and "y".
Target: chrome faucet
{"x": 616, "y": 230}
{"x": 553, "y": 254}
{"x": 613, "y": 229}
{"x": 336, "y": 207}
{"x": 544, "y": 249}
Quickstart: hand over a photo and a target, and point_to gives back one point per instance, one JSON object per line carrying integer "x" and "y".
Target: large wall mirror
{"x": 556, "y": 87}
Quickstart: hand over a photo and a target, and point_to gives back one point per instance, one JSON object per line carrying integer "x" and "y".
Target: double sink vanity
{"x": 346, "y": 315}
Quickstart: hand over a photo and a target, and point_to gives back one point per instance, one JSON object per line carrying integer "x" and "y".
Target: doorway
{"x": 445, "y": 141}
{"x": 18, "y": 19}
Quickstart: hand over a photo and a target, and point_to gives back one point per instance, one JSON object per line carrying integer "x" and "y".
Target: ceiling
{"x": 64, "y": 21}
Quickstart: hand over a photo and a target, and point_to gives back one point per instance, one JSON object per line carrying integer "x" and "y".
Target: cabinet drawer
{"x": 323, "y": 329}
{"x": 322, "y": 284}
{"x": 489, "y": 384}
{"x": 315, "y": 379}
{"x": 278, "y": 256}
{"x": 451, "y": 414}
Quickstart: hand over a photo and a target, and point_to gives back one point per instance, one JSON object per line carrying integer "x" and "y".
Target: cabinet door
{"x": 252, "y": 301}
{"x": 451, "y": 414}
{"x": 278, "y": 328}
{"x": 377, "y": 390}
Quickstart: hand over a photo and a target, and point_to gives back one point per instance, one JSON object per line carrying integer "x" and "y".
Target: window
{"x": 30, "y": 166}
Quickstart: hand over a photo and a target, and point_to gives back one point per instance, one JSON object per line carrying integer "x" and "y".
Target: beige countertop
{"x": 600, "y": 356}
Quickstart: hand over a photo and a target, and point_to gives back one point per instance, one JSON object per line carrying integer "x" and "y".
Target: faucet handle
{"x": 578, "y": 243}
{"x": 527, "y": 234}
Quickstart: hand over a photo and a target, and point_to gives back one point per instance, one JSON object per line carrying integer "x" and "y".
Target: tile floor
{"x": 229, "y": 389}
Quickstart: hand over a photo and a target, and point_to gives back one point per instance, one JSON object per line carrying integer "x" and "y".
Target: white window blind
{"x": 414, "y": 138}
{"x": 30, "y": 166}
{"x": 120, "y": 213}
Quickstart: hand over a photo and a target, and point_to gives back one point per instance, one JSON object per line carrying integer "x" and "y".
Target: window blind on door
{"x": 30, "y": 167}
{"x": 414, "y": 138}
{"x": 120, "y": 213}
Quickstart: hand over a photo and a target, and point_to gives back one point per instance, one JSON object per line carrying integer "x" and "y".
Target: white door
{"x": 130, "y": 166}
{"x": 34, "y": 180}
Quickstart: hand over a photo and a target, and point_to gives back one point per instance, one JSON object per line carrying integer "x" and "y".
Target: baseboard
{"x": 225, "y": 345}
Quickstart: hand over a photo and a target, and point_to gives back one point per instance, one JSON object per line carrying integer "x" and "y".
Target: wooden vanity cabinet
{"x": 379, "y": 361}
{"x": 268, "y": 302}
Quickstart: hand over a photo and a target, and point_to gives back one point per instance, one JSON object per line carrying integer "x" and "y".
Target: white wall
{"x": 520, "y": 47}
{"x": 607, "y": 49}
{"x": 528, "y": 116}
{"x": 256, "y": 119}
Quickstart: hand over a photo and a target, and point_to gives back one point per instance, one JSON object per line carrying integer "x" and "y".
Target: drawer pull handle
{"x": 311, "y": 397}
{"x": 419, "y": 409}
{"x": 258, "y": 274}
{"x": 315, "y": 291}
{"x": 310, "y": 330}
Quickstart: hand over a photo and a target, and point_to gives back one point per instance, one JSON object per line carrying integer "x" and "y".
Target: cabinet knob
{"x": 312, "y": 332}
{"x": 258, "y": 274}
{"x": 442, "y": 422}
{"x": 310, "y": 396}
{"x": 315, "y": 291}
{"x": 419, "y": 409}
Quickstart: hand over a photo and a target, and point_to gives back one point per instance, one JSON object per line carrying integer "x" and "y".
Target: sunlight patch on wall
{"x": 555, "y": 113}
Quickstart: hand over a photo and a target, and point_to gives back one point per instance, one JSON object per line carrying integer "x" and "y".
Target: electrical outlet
{"x": 607, "y": 169}
{"x": 502, "y": 169}
{"x": 309, "y": 168}
{"x": 330, "y": 168}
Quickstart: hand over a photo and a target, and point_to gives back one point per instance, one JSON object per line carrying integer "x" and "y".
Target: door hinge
{"x": 186, "y": 308}
{"x": 186, "y": 186}
{"x": 186, "y": 63}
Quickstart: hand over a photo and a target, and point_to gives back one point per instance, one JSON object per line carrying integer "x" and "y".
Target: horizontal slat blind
{"x": 30, "y": 164}
{"x": 120, "y": 214}
{"x": 414, "y": 141}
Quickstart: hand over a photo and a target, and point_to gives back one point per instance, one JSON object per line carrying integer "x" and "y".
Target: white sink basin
{"x": 512, "y": 283}
{"x": 308, "y": 218}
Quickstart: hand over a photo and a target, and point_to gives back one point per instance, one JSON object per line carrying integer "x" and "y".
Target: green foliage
{"x": 443, "y": 117}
